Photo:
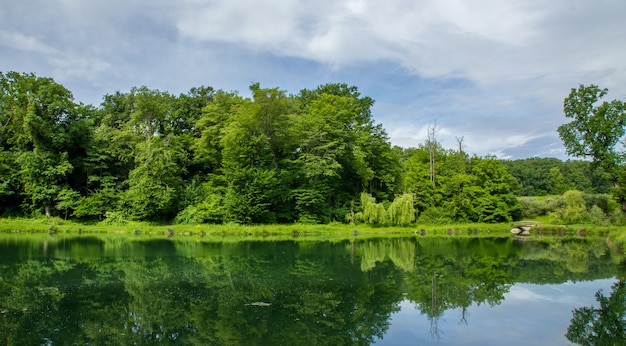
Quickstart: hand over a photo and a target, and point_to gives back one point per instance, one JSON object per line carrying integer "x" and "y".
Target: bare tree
{"x": 461, "y": 155}
{"x": 431, "y": 142}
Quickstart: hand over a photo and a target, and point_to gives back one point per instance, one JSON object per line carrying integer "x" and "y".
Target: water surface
{"x": 66, "y": 290}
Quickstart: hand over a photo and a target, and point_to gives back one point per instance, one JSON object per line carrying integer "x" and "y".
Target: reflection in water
{"x": 121, "y": 290}
{"x": 605, "y": 325}
{"x": 434, "y": 317}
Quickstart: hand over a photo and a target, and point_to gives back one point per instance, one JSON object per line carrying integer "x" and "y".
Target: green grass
{"x": 616, "y": 235}
{"x": 57, "y": 225}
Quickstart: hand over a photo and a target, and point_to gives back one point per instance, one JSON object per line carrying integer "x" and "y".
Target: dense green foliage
{"x": 210, "y": 156}
{"x": 597, "y": 131}
{"x": 550, "y": 176}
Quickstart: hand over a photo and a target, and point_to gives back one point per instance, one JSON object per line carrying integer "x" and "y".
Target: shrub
{"x": 533, "y": 207}
{"x": 115, "y": 218}
{"x": 435, "y": 215}
{"x": 602, "y": 201}
{"x": 575, "y": 209}
{"x": 189, "y": 215}
{"x": 597, "y": 216}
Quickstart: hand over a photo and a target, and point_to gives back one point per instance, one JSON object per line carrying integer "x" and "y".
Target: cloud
{"x": 488, "y": 41}
{"x": 23, "y": 42}
{"x": 78, "y": 67}
{"x": 431, "y": 38}
{"x": 493, "y": 72}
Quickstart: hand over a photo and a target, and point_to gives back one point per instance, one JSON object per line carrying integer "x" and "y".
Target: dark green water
{"x": 61, "y": 290}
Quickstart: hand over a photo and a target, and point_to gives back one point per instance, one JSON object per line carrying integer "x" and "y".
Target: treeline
{"x": 211, "y": 156}
{"x": 550, "y": 176}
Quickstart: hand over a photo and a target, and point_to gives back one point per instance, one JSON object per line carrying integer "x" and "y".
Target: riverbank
{"x": 615, "y": 235}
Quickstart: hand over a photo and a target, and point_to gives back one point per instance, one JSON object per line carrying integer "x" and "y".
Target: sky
{"x": 488, "y": 74}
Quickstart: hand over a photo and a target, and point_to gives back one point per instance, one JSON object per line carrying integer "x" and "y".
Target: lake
{"x": 190, "y": 290}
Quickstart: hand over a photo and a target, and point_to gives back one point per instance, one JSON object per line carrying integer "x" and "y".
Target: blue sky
{"x": 492, "y": 72}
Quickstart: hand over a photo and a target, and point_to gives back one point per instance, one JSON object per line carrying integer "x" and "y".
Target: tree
{"x": 44, "y": 132}
{"x": 44, "y": 177}
{"x": 402, "y": 211}
{"x": 216, "y": 117}
{"x": 431, "y": 142}
{"x": 558, "y": 181}
{"x": 373, "y": 213}
{"x": 595, "y": 130}
{"x": 320, "y": 139}
{"x": 9, "y": 183}
{"x": 417, "y": 178}
{"x": 494, "y": 200}
{"x": 252, "y": 153}
{"x": 575, "y": 209}
{"x": 156, "y": 182}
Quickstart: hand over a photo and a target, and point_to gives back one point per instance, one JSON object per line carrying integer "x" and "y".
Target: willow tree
{"x": 373, "y": 213}
{"x": 402, "y": 211}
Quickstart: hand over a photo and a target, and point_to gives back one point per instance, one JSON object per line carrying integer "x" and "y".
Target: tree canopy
{"x": 210, "y": 156}
{"x": 596, "y": 131}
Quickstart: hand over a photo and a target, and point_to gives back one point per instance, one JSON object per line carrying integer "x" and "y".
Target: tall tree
{"x": 211, "y": 126}
{"x": 156, "y": 181}
{"x": 595, "y": 130}
{"x": 45, "y": 130}
{"x": 253, "y": 148}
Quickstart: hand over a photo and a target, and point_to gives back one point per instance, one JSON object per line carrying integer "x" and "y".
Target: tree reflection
{"x": 170, "y": 291}
{"x": 435, "y": 314}
{"x": 605, "y": 325}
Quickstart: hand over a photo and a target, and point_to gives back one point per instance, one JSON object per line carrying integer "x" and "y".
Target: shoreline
{"x": 616, "y": 236}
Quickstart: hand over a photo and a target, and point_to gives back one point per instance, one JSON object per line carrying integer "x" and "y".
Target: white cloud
{"x": 23, "y": 42}
{"x": 494, "y": 72}
{"x": 82, "y": 68}
{"x": 432, "y": 38}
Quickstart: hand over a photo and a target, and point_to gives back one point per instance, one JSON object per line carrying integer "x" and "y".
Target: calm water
{"x": 62, "y": 290}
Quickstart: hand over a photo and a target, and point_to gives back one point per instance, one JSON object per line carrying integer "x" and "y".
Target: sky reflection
{"x": 530, "y": 315}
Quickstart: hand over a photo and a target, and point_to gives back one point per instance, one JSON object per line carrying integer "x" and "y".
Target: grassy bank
{"x": 616, "y": 235}
{"x": 57, "y": 225}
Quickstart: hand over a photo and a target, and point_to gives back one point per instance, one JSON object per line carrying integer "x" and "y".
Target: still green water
{"x": 108, "y": 290}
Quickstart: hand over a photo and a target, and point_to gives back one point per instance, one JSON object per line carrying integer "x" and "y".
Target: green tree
{"x": 319, "y": 136}
{"x": 44, "y": 132}
{"x": 595, "y": 130}
{"x": 359, "y": 150}
{"x": 216, "y": 117}
{"x": 373, "y": 213}
{"x": 558, "y": 185}
{"x": 533, "y": 175}
{"x": 402, "y": 211}
{"x": 417, "y": 179}
{"x": 492, "y": 196}
{"x": 10, "y": 198}
{"x": 156, "y": 182}
{"x": 252, "y": 156}
{"x": 43, "y": 177}
{"x": 575, "y": 210}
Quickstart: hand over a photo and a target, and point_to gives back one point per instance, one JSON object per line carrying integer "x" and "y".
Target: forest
{"x": 212, "y": 156}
